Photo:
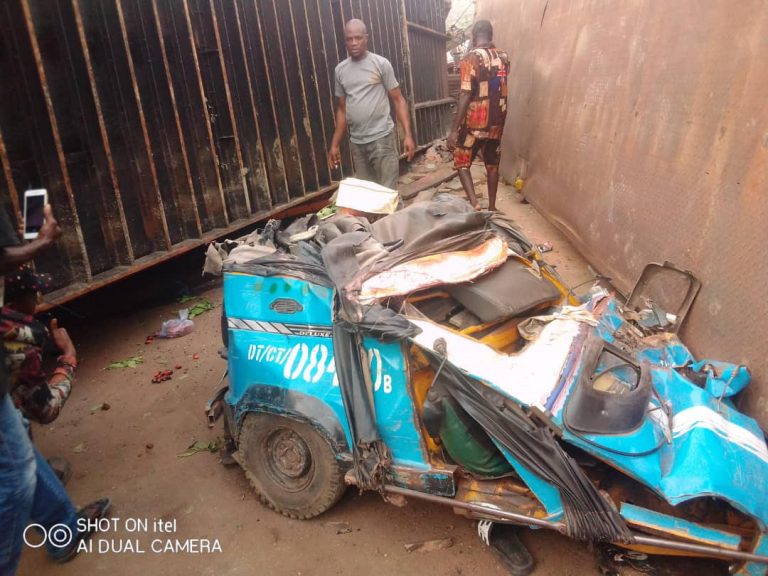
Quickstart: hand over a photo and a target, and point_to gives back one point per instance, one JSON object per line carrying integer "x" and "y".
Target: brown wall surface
{"x": 642, "y": 131}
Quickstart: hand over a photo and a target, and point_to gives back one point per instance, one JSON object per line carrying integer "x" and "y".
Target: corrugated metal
{"x": 642, "y": 129}
{"x": 158, "y": 125}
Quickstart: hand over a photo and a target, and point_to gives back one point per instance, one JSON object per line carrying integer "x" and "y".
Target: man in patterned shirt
{"x": 481, "y": 113}
{"x": 39, "y": 397}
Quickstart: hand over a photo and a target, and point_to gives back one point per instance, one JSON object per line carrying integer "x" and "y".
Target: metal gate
{"x": 157, "y": 125}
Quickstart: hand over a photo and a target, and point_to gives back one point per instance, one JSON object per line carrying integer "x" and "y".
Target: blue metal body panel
{"x": 260, "y": 354}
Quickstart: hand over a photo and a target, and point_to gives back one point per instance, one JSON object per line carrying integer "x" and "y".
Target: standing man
{"x": 365, "y": 86}
{"x": 479, "y": 121}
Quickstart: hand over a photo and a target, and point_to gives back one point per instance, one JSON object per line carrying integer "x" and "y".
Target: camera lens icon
{"x": 58, "y": 535}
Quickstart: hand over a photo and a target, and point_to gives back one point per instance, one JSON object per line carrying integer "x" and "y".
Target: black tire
{"x": 291, "y": 466}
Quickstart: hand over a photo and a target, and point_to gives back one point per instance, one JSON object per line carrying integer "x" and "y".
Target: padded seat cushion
{"x": 511, "y": 290}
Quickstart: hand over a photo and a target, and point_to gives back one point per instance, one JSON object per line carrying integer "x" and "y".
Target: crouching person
{"x": 39, "y": 396}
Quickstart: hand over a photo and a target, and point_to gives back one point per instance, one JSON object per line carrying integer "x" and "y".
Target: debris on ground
{"x": 162, "y": 376}
{"x": 202, "y": 306}
{"x": 545, "y": 247}
{"x": 430, "y": 545}
{"x": 150, "y": 339}
{"x": 149, "y": 445}
{"x": 199, "y": 446}
{"x": 79, "y": 448}
{"x": 614, "y": 561}
{"x": 340, "y": 527}
{"x": 100, "y": 407}
{"x": 195, "y": 356}
{"x": 177, "y": 327}
{"x": 131, "y": 362}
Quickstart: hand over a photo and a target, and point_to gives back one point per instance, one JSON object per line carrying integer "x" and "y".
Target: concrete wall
{"x": 641, "y": 128}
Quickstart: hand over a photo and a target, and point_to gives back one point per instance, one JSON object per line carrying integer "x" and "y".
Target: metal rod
{"x": 480, "y": 509}
{"x": 706, "y": 550}
{"x": 703, "y": 549}
{"x": 107, "y": 226}
{"x": 206, "y": 114}
{"x": 230, "y": 106}
{"x": 54, "y": 125}
{"x": 423, "y": 29}
{"x": 177, "y": 119}
{"x": 434, "y": 103}
{"x": 14, "y": 195}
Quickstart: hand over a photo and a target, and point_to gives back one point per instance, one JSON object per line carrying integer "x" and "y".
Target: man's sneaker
{"x": 93, "y": 511}
{"x": 503, "y": 541}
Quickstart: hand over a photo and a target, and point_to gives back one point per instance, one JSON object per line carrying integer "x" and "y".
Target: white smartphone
{"x": 34, "y": 202}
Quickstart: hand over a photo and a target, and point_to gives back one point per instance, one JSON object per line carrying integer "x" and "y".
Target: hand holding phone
{"x": 34, "y": 212}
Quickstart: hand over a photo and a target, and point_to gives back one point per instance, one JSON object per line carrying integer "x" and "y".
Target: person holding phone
{"x": 29, "y": 488}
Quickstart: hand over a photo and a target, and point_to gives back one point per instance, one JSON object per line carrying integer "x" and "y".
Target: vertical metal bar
{"x": 172, "y": 92}
{"x": 56, "y": 137}
{"x": 252, "y": 100}
{"x": 208, "y": 128}
{"x": 105, "y": 136}
{"x": 409, "y": 64}
{"x": 145, "y": 131}
{"x": 12, "y": 192}
{"x": 228, "y": 94}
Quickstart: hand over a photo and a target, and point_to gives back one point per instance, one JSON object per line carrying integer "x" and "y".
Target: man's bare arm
{"x": 12, "y": 257}
{"x": 465, "y": 98}
{"x": 334, "y": 153}
{"x": 404, "y": 118}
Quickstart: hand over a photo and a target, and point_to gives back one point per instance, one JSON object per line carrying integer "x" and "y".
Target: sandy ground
{"x": 130, "y": 453}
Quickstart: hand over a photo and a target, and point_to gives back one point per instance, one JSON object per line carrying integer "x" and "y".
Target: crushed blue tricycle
{"x": 433, "y": 354}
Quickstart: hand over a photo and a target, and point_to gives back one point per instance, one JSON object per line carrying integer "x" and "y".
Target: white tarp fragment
{"x": 434, "y": 270}
{"x": 365, "y": 196}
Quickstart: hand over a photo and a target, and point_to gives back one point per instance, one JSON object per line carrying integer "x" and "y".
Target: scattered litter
{"x": 162, "y": 376}
{"x": 188, "y": 510}
{"x": 199, "y": 446}
{"x": 177, "y": 327}
{"x": 340, "y": 527}
{"x": 150, "y": 339}
{"x": 79, "y": 449}
{"x": 195, "y": 356}
{"x": 186, "y": 298}
{"x": 100, "y": 407}
{"x": 178, "y": 366}
{"x": 545, "y": 247}
{"x": 131, "y": 362}
{"x": 149, "y": 445}
{"x": 202, "y": 306}
{"x": 183, "y": 376}
{"x": 430, "y": 545}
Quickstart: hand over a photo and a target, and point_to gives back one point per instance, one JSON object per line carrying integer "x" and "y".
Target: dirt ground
{"x": 130, "y": 452}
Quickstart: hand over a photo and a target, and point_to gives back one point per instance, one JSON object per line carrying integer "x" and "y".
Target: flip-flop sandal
{"x": 93, "y": 511}
{"x": 503, "y": 541}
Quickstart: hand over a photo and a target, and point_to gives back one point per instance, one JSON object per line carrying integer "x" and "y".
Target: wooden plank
{"x": 155, "y": 99}
{"x": 408, "y": 191}
{"x": 263, "y": 104}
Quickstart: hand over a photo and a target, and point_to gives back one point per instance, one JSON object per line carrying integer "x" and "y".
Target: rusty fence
{"x": 158, "y": 125}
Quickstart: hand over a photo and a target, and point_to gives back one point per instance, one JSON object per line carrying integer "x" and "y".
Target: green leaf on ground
{"x": 131, "y": 362}
{"x": 200, "y": 307}
{"x": 199, "y": 446}
{"x": 186, "y": 298}
{"x": 79, "y": 449}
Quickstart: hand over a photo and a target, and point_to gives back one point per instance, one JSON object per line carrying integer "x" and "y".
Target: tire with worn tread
{"x": 291, "y": 466}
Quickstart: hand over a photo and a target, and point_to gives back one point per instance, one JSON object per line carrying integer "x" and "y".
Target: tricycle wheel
{"x": 291, "y": 466}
